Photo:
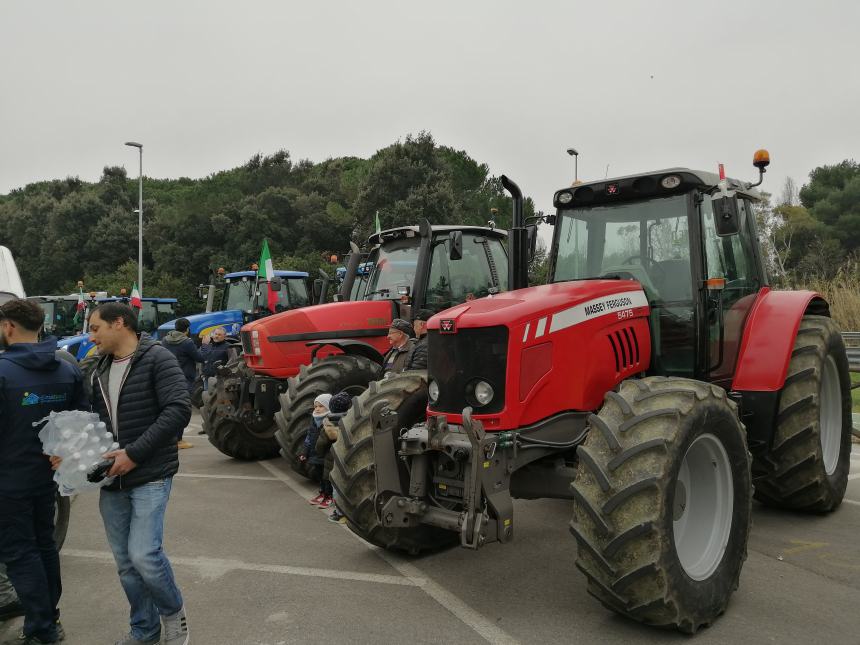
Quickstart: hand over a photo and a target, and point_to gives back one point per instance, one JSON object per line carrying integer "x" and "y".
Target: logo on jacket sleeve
{"x": 31, "y": 398}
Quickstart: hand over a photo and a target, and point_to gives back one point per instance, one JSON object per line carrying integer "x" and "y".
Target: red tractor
{"x": 257, "y": 409}
{"x": 657, "y": 382}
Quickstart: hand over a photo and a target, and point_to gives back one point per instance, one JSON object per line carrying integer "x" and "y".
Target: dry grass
{"x": 843, "y": 294}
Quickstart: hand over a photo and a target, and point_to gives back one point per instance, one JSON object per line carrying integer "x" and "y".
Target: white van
{"x": 10, "y": 282}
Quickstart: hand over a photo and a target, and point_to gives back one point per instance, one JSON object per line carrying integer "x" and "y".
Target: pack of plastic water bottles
{"x": 81, "y": 440}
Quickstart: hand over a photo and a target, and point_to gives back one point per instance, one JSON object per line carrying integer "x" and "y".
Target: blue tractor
{"x": 242, "y": 300}
{"x": 154, "y": 311}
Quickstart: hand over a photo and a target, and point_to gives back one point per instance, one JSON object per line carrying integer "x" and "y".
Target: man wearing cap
{"x": 418, "y": 355}
{"x": 399, "y": 335}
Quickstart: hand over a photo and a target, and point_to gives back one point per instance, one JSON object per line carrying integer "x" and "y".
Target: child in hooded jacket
{"x": 338, "y": 407}
{"x": 313, "y": 462}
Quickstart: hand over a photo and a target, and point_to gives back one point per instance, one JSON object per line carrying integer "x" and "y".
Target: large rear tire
{"x": 235, "y": 432}
{"x": 662, "y": 502}
{"x": 807, "y": 467}
{"x": 353, "y": 475}
{"x": 328, "y": 375}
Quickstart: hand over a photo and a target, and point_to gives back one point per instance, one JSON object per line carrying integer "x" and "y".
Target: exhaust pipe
{"x": 518, "y": 262}
{"x": 351, "y": 268}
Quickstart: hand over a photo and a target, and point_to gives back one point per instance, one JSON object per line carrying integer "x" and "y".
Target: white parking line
{"x": 481, "y": 625}
{"x": 251, "y": 477}
{"x": 212, "y": 568}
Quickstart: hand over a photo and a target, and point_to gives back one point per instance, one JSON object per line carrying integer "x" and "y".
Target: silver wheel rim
{"x": 704, "y": 501}
{"x": 830, "y": 416}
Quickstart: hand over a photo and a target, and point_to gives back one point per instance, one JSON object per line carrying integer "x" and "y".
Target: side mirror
{"x": 277, "y": 285}
{"x": 531, "y": 232}
{"x": 317, "y": 289}
{"x": 456, "y": 250}
{"x": 727, "y": 219}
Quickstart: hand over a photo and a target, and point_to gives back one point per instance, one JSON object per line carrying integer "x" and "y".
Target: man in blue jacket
{"x": 33, "y": 383}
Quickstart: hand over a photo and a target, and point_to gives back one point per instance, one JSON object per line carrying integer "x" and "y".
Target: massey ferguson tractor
{"x": 657, "y": 382}
{"x": 257, "y": 409}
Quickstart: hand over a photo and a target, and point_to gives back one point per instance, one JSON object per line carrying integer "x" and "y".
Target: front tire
{"x": 807, "y": 467}
{"x": 62, "y": 511}
{"x": 329, "y": 375}
{"x": 236, "y": 433}
{"x": 353, "y": 475}
{"x": 663, "y": 502}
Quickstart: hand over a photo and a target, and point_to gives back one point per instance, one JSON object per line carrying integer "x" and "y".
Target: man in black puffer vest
{"x": 139, "y": 391}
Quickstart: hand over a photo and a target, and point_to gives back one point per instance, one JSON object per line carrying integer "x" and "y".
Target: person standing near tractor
{"x": 183, "y": 348}
{"x": 400, "y": 334}
{"x": 215, "y": 352}
{"x": 418, "y": 355}
{"x": 139, "y": 392}
{"x": 33, "y": 383}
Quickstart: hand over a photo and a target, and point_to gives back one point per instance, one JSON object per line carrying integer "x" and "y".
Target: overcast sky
{"x": 633, "y": 85}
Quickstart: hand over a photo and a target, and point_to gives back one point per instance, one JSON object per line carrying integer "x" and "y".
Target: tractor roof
{"x": 647, "y": 185}
{"x": 278, "y": 274}
{"x": 412, "y": 231}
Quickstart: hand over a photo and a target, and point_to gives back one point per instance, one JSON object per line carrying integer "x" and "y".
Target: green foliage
{"x": 62, "y": 231}
{"x": 833, "y": 198}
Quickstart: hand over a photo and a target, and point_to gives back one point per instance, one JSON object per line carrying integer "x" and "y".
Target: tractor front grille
{"x": 457, "y": 361}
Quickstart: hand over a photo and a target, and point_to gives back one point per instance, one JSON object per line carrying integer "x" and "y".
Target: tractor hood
{"x": 278, "y": 345}
{"x": 540, "y": 350}
{"x": 202, "y": 324}
{"x": 544, "y": 309}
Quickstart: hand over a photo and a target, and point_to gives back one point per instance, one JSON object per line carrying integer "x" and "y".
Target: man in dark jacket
{"x": 400, "y": 334}
{"x": 186, "y": 352}
{"x": 417, "y": 359}
{"x": 139, "y": 392}
{"x": 214, "y": 350}
{"x": 33, "y": 383}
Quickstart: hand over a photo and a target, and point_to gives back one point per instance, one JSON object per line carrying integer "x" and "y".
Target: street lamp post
{"x": 139, "y": 147}
{"x": 573, "y": 153}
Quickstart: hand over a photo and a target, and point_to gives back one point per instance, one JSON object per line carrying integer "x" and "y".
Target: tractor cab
{"x": 436, "y": 268}
{"x": 699, "y": 269}
{"x": 243, "y": 292}
{"x": 60, "y": 315}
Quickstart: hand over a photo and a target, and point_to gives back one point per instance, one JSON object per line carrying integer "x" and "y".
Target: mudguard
{"x": 353, "y": 347}
{"x": 768, "y": 338}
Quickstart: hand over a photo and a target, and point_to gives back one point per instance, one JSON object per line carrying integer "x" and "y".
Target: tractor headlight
{"x": 483, "y": 393}
{"x": 433, "y": 391}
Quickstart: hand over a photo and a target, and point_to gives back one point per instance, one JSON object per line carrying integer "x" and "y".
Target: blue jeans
{"x": 27, "y": 548}
{"x": 134, "y": 523}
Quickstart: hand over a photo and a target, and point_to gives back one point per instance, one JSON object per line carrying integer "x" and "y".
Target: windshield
{"x": 238, "y": 294}
{"x": 147, "y": 318}
{"x": 482, "y": 270}
{"x": 645, "y": 241}
{"x": 395, "y": 264}
{"x": 166, "y": 312}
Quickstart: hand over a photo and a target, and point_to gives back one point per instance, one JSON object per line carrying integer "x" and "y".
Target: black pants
{"x": 326, "y": 487}
{"x": 28, "y": 550}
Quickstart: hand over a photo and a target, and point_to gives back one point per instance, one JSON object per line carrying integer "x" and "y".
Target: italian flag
{"x": 135, "y": 297}
{"x": 80, "y": 307}
{"x": 265, "y": 271}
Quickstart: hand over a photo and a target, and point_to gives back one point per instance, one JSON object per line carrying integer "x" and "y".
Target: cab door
{"x": 732, "y": 258}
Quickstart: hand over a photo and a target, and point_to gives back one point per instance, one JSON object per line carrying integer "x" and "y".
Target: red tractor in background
{"x": 257, "y": 409}
{"x": 657, "y": 382}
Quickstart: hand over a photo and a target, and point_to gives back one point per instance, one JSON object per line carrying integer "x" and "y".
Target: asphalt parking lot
{"x": 259, "y": 566}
